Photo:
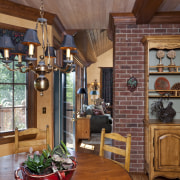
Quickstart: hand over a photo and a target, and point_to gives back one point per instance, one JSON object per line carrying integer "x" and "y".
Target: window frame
{"x": 8, "y": 137}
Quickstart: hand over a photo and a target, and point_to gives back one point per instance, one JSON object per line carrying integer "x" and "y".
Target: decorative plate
{"x": 176, "y": 86}
{"x": 161, "y": 83}
{"x": 132, "y": 83}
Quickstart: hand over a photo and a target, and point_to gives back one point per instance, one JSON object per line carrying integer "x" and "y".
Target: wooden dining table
{"x": 89, "y": 167}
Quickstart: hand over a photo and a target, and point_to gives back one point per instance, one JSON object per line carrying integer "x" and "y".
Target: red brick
{"x": 129, "y": 60}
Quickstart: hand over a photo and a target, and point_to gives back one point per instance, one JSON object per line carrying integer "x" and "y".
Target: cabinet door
{"x": 83, "y": 128}
{"x": 167, "y": 149}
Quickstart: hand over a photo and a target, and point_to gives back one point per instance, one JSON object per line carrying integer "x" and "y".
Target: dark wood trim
{"x": 32, "y": 101}
{"x": 12, "y": 27}
{"x": 117, "y": 19}
{"x": 59, "y": 52}
{"x": 11, "y": 138}
{"x": 29, "y": 13}
{"x": 166, "y": 18}
{"x": 58, "y": 25}
{"x": 122, "y": 18}
{"x": 25, "y": 12}
{"x": 129, "y": 18}
{"x": 144, "y": 10}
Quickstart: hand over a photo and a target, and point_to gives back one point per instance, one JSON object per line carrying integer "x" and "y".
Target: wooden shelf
{"x": 155, "y": 73}
{"x": 177, "y": 71}
{"x": 164, "y": 96}
{"x": 159, "y": 96}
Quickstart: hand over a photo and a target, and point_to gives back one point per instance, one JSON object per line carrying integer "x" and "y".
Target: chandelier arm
{"x": 64, "y": 70}
{"x": 7, "y": 66}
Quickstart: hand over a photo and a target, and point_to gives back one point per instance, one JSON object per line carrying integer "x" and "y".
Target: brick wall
{"x": 128, "y": 115}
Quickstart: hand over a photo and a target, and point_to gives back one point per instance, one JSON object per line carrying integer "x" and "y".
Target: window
{"x": 13, "y": 95}
{"x": 17, "y": 94}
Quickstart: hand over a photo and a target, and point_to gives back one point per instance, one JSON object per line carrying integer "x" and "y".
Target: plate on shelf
{"x": 176, "y": 86}
{"x": 162, "y": 83}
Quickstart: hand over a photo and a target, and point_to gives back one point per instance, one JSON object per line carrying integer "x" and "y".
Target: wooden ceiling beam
{"x": 144, "y": 10}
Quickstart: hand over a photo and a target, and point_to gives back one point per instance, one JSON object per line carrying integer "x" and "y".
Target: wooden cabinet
{"x": 83, "y": 128}
{"x": 162, "y": 139}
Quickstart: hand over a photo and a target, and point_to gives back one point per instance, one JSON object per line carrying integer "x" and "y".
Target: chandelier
{"x": 42, "y": 68}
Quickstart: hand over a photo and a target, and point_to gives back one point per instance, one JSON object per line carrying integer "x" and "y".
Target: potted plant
{"x": 56, "y": 164}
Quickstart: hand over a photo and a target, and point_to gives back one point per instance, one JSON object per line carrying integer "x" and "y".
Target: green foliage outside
{"x": 8, "y": 91}
{"x": 69, "y": 87}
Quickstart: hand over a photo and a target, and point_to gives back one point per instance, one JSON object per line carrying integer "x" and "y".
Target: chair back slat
{"x": 39, "y": 142}
{"x": 115, "y": 136}
{"x": 123, "y": 152}
{"x": 115, "y": 150}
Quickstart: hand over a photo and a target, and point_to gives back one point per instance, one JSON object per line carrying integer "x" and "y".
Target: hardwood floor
{"x": 141, "y": 176}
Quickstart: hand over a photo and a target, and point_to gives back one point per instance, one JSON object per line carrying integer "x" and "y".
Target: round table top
{"x": 93, "y": 167}
{"x": 89, "y": 167}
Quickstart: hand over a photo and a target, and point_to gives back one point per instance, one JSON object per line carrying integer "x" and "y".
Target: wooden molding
{"x": 117, "y": 19}
{"x": 29, "y": 13}
{"x": 144, "y": 10}
{"x": 166, "y": 18}
{"x": 25, "y": 12}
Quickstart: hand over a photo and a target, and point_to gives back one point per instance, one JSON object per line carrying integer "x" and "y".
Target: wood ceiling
{"x": 90, "y": 18}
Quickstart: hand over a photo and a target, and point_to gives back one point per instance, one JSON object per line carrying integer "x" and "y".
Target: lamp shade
{"x": 81, "y": 91}
{"x": 19, "y": 49}
{"x": 68, "y": 42}
{"x": 31, "y": 38}
{"x": 94, "y": 93}
{"x": 50, "y": 51}
{"x": 6, "y": 43}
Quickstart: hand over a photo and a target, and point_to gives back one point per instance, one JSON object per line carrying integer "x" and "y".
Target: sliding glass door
{"x": 69, "y": 109}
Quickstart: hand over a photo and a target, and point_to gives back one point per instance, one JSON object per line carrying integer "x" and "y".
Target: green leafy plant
{"x": 49, "y": 160}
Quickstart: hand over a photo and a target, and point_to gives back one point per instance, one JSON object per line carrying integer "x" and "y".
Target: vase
{"x": 59, "y": 175}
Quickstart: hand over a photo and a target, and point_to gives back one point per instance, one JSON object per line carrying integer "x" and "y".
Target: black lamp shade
{"x": 51, "y": 52}
{"x": 31, "y": 38}
{"x": 81, "y": 91}
{"x": 68, "y": 42}
{"x": 74, "y": 52}
{"x": 6, "y": 43}
{"x": 19, "y": 49}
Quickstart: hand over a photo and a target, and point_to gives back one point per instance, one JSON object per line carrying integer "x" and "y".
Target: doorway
{"x": 64, "y": 108}
{"x": 69, "y": 104}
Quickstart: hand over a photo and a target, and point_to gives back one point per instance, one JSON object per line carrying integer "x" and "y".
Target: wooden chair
{"x": 36, "y": 138}
{"x": 122, "y": 152}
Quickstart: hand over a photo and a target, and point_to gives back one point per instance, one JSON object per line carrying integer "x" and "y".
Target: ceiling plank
{"x": 144, "y": 10}
{"x": 166, "y": 18}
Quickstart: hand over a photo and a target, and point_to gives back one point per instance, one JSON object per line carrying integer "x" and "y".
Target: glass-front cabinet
{"x": 162, "y": 106}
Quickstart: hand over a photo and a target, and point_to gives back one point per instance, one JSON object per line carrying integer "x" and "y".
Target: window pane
{"x": 6, "y": 119}
{"x": 19, "y": 95}
{"x": 5, "y": 74}
{"x": 6, "y": 94}
{"x": 19, "y": 77}
{"x": 20, "y": 118}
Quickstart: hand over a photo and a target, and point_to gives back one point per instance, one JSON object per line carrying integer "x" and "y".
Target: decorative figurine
{"x": 160, "y": 54}
{"x": 171, "y": 54}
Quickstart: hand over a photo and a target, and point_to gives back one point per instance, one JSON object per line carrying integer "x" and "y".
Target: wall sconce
{"x": 31, "y": 40}
{"x": 94, "y": 93}
{"x": 95, "y": 85}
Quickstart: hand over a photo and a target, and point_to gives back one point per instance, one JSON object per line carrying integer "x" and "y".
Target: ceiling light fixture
{"x": 31, "y": 40}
